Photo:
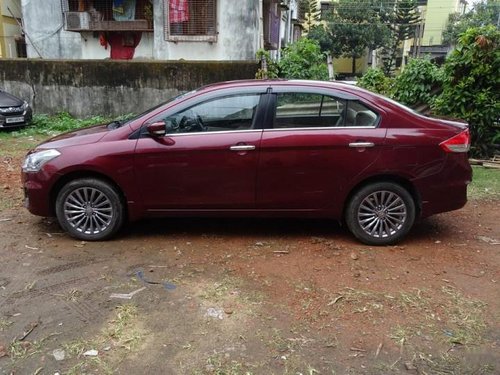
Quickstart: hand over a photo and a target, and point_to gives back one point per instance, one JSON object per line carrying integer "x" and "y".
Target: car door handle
{"x": 242, "y": 148}
{"x": 361, "y": 144}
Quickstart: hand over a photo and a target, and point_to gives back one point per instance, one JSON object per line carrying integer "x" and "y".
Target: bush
{"x": 303, "y": 60}
{"x": 375, "y": 80}
{"x": 415, "y": 84}
{"x": 272, "y": 67}
{"x": 471, "y": 87}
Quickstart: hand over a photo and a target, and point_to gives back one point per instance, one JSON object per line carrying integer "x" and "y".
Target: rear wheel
{"x": 89, "y": 209}
{"x": 381, "y": 213}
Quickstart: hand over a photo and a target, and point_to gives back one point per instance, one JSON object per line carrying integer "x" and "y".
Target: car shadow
{"x": 249, "y": 227}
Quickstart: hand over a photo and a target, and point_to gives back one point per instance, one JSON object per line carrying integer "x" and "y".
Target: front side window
{"x": 304, "y": 110}
{"x": 229, "y": 113}
{"x": 190, "y": 20}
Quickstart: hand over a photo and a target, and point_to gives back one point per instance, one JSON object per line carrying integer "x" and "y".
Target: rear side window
{"x": 305, "y": 110}
{"x": 357, "y": 114}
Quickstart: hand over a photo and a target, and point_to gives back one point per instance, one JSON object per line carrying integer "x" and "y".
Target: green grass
{"x": 485, "y": 183}
{"x": 50, "y": 125}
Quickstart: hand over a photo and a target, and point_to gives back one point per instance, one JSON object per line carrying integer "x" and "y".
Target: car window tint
{"x": 303, "y": 110}
{"x": 234, "y": 112}
{"x": 357, "y": 114}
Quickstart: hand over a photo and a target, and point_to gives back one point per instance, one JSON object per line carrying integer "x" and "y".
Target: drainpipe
{"x": 261, "y": 24}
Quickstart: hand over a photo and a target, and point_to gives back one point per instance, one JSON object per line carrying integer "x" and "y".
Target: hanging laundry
{"x": 124, "y": 10}
{"x": 123, "y": 44}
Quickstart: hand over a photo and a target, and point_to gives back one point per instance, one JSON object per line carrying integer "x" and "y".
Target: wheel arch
{"x": 405, "y": 183}
{"x": 75, "y": 175}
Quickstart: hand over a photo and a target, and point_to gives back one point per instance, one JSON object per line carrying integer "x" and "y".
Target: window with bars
{"x": 108, "y": 15}
{"x": 190, "y": 20}
{"x": 327, "y": 9}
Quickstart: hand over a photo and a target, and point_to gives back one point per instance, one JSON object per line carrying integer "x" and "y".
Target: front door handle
{"x": 361, "y": 144}
{"x": 242, "y": 148}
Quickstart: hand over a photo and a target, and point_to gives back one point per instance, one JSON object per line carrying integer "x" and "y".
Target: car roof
{"x": 337, "y": 85}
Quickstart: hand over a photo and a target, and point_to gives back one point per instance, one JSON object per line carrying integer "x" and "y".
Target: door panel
{"x": 198, "y": 171}
{"x": 208, "y": 159}
{"x": 305, "y": 169}
{"x": 318, "y": 145}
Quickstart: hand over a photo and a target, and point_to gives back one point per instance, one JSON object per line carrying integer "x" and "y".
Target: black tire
{"x": 381, "y": 213}
{"x": 89, "y": 209}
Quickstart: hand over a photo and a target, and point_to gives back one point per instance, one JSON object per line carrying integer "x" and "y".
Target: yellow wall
{"x": 9, "y": 27}
{"x": 436, "y": 16}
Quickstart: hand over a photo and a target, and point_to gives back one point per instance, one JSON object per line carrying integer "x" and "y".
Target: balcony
{"x": 105, "y": 15}
{"x": 82, "y": 21}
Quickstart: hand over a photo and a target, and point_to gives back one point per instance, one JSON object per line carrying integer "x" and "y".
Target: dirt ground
{"x": 248, "y": 296}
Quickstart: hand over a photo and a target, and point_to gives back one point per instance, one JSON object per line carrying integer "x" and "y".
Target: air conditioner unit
{"x": 75, "y": 21}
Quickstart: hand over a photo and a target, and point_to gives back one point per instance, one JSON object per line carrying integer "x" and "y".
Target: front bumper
{"x": 36, "y": 194}
{"x": 16, "y": 119}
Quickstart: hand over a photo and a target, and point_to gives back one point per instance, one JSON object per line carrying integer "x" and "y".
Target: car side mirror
{"x": 157, "y": 129}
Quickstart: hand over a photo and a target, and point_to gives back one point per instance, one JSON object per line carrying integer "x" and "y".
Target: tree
{"x": 487, "y": 12}
{"x": 303, "y": 60}
{"x": 309, "y": 8}
{"x": 470, "y": 89}
{"x": 355, "y": 26}
{"x": 402, "y": 17}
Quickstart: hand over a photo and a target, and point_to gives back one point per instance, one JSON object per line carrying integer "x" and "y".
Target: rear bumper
{"x": 444, "y": 199}
{"x": 447, "y": 190}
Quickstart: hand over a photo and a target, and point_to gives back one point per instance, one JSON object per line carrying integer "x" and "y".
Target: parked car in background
{"x": 260, "y": 149}
{"x": 14, "y": 112}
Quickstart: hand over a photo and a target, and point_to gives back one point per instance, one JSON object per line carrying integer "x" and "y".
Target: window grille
{"x": 190, "y": 20}
{"x": 108, "y": 15}
{"x": 327, "y": 9}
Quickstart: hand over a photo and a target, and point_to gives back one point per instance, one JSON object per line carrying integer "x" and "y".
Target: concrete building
{"x": 157, "y": 29}
{"x": 435, "y": 13}
{"x": 11, "y": 39}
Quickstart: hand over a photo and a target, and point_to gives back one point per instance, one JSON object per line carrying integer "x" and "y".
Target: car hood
{"x": 77, "y": 137}
{"x": 7, "y": 100}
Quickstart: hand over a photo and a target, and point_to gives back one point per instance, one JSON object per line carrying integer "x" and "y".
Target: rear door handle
{"x": 361, "y": 144}
{"x": 242, "y": 148}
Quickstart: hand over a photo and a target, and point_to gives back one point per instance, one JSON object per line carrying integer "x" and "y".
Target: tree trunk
{"x": 354, "y": 65}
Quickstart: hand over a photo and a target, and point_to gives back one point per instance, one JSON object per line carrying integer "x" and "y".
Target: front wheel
{"x": 89, "y": 209}
{"x": 381, "y": 213}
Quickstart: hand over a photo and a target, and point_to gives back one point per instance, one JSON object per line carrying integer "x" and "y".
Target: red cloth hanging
{"x": 123, "y": 44}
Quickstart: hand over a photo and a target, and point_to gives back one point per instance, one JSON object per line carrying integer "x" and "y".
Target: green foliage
{"x": 61, "y": 122}
{"x": 375, "y": 80}
{"x": 487, "y": 12}
{"x": 47, "y": 125}
{"x": 271, "y": 70}
{"x": 303, "y": 60}
{"x": 415, "y": 84}
{"x": 311, "y": 13}
{"x": 471, "y": 87}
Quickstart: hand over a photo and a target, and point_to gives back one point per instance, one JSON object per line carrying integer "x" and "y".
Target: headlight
{"x": 25, "y": 105}
{"x": 35, "y": 161}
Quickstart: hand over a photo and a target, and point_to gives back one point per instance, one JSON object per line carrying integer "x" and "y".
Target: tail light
{"x": 457, "y": 143}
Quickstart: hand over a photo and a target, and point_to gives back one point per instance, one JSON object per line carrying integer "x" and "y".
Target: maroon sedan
{"x": 256, "y": 148}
